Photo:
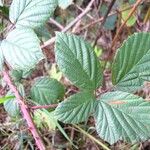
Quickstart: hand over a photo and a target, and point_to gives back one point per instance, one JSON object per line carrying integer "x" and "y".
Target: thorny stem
{"x": 24, "y": 109}
{"x": 44, "y": 106}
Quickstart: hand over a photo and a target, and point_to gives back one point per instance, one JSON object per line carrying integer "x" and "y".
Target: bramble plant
{"x": 119, "y": 114}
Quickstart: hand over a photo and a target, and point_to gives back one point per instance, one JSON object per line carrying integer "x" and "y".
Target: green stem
{"x": 92, "y": 138}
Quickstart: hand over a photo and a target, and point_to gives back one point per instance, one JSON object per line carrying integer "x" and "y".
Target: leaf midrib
{"x": 131, "y": 69}
{"x": 76, "y": 59}
{"x": 121, "y": 111}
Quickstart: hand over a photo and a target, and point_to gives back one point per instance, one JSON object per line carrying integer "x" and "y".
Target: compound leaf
{"x": 76, "y": 108}
{"x": 47, "y": 91}
{"x": 122, "y": 116}
{"x": 31, "y": 13}
{"x": 131, "y": 66}
{"x": 21, "y": 49}
{"x": 77, "y": 61}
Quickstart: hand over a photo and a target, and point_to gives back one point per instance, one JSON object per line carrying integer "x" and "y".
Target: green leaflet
{"x": 31, "y": 13}
{"x": 77, "y": 61}
{"x": 110, "y": 22}
{"x": 17, "y": 75}
{"x": 76, "y": 108}
{"x": 43, "y": 118}
{"x": 47, "y": 91}
{"x": 11, "y": 106}
{"x": 64, "y": 3}
{"x": 6, "y": 98}
{"x": 131, "y": 66}
{"x": 43, "y": 33}
{"x": 21, "y": 49}
{"x": 122, "y": 116}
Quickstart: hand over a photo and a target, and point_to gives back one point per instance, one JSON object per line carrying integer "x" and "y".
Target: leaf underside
{"x": 31, "y": 13}
{"x": 21, "y": 49}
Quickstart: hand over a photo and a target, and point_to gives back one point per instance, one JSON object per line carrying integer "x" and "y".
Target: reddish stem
{"x": 24, "y": 110}
{"x": 45, "y": 106}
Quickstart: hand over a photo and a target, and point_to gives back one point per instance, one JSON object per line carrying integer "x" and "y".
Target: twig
{"x": 24, "y": 110}
{"x": 56, "y": 24}
{"x": 92, "y": 138}
{"x": 124, "y": 23}
{"x": 45, "y": 106}
{"x": 103, "y": 21}
{"x": 82, "y": 10}
{"x": 71, "y": 24}
{"x": 52, "y": 40}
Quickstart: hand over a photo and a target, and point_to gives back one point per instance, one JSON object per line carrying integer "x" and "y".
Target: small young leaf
{"x": 31, "y": 13}
{"x": 54, "y": 73}
{"x": 77, "y": 61}
{"x": 76, "y": 108}
{"x": 43, "y": 33}
{"x": 44, "y": 118}
{"x": 21, "y": 49}
{"x": 47, "y": 91}
{"x": 131, "y": 66}
{"x": 17, "y": 75}
{"x": 122, "y": 116}
{"x": 64, "y": 3}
